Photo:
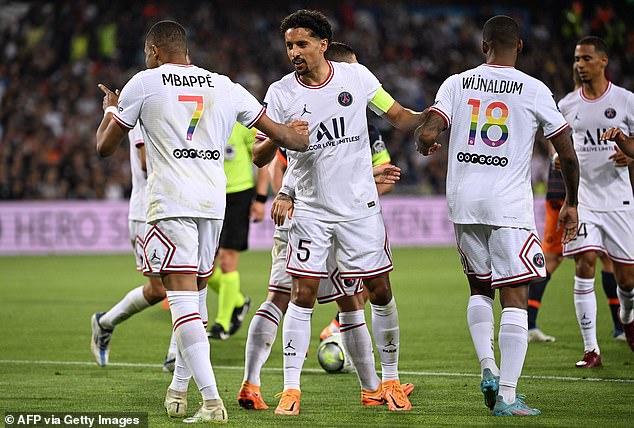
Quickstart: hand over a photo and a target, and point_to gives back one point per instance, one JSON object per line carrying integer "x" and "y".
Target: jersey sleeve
{"x": 548, "y": 114}
{"x": 130, "y": 102}
{"x": 136, "y": 136}
{"x": 369, "y": 82}
{"x": 248, "y": 107}
{"x": 273, "y": 109}
{"x": 443, "y": 103}
{"x": 629, "y": 111}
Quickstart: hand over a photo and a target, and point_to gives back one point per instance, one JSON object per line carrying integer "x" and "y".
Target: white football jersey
{"x": 333, "y": 178}
{"x": 187, "y": 113}
{"x": 137, "y": 196}
{"x": 602, "y": 186}
{"x": 494, "y": 112}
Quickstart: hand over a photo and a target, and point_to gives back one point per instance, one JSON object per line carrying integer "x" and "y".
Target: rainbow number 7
{"x": 198, "y": 99}
{"x": 491, "y": 121}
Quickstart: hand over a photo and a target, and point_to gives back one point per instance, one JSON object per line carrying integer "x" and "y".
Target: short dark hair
{"x": 339, "y": 52}
{"x": 597, "y": 42}
{"x": 502, "y": 31}
{"x": 168, "y": 35}
{"x": 313, "y": 20}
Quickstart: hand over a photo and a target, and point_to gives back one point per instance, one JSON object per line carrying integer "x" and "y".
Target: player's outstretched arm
{"x": 426, "y": 134}
{"x": 568, "y": 219}
{"x": 403, "y": 118}
{"x": 625, "y": 143}
{"x": 109, "y": 133}
{"x": 293, "y": 136}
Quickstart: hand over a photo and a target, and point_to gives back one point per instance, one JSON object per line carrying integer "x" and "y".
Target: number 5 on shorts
{"x": 302, "y": 247}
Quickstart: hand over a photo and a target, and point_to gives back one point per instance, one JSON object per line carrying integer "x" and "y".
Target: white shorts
{"x": 181, "y": 245}
{"x": 330, "y": 289}
{"x": 502, "y": 255}
{"x": 609, "y": 232}
{"x": 136, "y": 229}
{"x": 361, "y": 247}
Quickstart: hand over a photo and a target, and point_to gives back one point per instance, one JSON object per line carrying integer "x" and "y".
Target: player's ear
{"x": 323, "y": 45}
{"x": 485, "y": 47}
{"x": 520, "y": 46}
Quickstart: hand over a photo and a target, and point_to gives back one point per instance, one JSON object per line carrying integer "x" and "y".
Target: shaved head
{"x": 169, "y": 36}
{"x": 501, "y": 31}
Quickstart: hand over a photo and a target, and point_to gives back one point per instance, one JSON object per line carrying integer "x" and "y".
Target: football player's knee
{"x": 624, "y": 276}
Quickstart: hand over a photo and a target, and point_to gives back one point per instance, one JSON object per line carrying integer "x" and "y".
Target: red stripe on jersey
{"x": 319, "y": 85}
{"x": 559, "y": 131}
{"x": 254, "y": 121}
{"x": 441, "y": 114}
{"x": 594, "y": 100}
{"x": 121, "y": 122}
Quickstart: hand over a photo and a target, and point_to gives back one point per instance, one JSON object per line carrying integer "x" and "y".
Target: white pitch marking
{"x": 309, "y": 370}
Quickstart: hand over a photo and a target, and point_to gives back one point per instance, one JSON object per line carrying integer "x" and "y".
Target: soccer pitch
{"x": 46, "y": 364}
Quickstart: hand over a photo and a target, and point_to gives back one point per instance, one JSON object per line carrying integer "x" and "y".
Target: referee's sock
{"x": 229, "y": 296}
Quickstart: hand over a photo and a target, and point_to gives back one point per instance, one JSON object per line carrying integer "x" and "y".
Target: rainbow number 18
{"x": 491, "y": 121}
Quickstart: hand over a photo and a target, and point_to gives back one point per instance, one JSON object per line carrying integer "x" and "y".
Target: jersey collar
{"x": 319, "y": 85}
{"x": 599, "y": 98}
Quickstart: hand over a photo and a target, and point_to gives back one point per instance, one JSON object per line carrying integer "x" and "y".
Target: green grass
{"x": 47, "y": 303}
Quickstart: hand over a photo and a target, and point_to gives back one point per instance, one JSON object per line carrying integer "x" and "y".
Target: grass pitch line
{"x": 309, "y": 370}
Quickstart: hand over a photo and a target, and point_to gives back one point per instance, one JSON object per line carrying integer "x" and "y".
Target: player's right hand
{"x": 569, "y": 221}
{"x": 110, "y": 98}
{"x": 425, "y": 149}
{"x": 614, "y": 134}
{"x": 300, "y": 126}
{"x": 281, "y": 208}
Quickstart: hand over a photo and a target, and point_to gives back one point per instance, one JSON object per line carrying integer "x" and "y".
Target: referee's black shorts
{"x": 235, "y": 229}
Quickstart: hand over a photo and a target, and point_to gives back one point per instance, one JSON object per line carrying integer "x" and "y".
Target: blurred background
{"x": 53, "y": 54}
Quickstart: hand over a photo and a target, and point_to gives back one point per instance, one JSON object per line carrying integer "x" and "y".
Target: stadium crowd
{"x": 54, "y": 53}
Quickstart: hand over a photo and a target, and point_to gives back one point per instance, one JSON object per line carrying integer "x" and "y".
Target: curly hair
{"x": 313, "y": 20}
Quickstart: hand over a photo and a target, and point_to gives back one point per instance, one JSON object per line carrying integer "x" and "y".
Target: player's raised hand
{"x": 614, "y": 134}
{"x": 300, "y": 126}
{"x": 282, "y": 207}
{"x": 110, "y": 98}
{"x": 620, "y": 159}
{"x": 386, "y": 174}
{"x": 569, "y": 222}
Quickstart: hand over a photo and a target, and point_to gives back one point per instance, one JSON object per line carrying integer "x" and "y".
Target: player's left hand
{"x": 281, "y": 208}
{"x": 386, "y": 174}
{"x": 256, "y": 211}
{"x": 619, "y": 158}
{"x": 110, "y": 98}
{"x": 569, "y": 221}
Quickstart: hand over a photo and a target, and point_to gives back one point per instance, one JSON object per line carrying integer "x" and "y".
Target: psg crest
{"x": 538, "y": 260}
{"x": 610, "y": 113}
{"x": 345, "y": 98}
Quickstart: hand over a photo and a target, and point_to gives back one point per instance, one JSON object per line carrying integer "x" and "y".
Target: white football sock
{"x": 262, "y": 332}
{"x": 386, "y": 336}
{"x": 626, "y": 299}
{"x": 192, "y": 340}
{"x": 296, "y": 337}
{"x": 132, "y": 303}
{"x": 481, "y": 326}
{"x": 356, "y": 339}
{"x": 513, "y": 340}
{"x": 586, "y": 309}
{"x": 182, "y": 375}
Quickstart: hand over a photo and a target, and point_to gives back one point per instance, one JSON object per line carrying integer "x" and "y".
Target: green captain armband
{"x": 381, "y": 102}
